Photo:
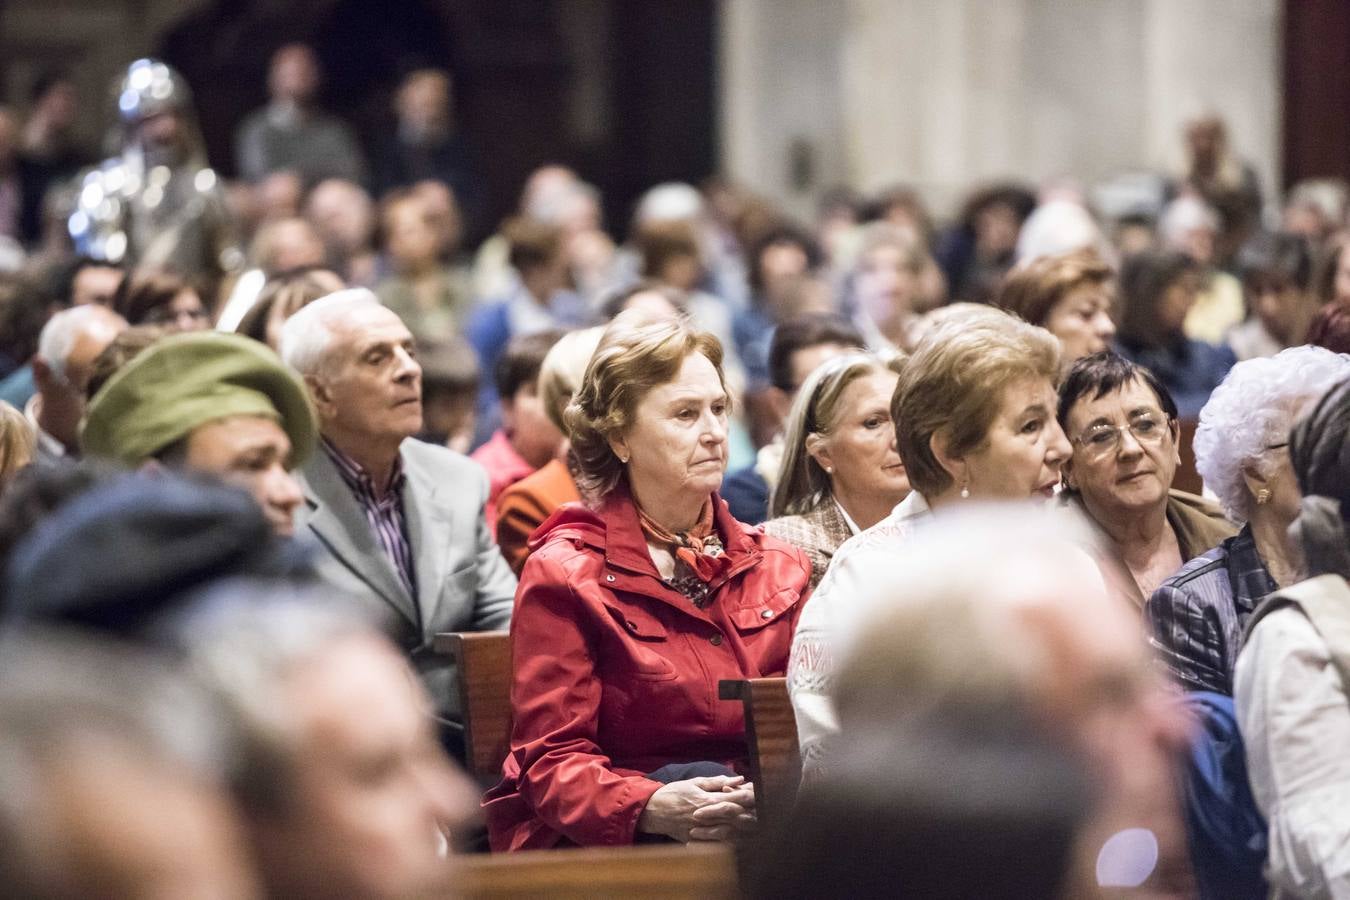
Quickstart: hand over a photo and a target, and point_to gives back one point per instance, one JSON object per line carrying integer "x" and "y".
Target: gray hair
{"x": 63, "y": 330}
{"x": 802, "y": 483}
{"x": 240, "y": 640}
{"x": 1183, "y": 215}
{"x": 307, "y": 335}
{"x": 935, "y": 632}
{"x": 1254, "y": 408}
{"x": 63, "y": 696}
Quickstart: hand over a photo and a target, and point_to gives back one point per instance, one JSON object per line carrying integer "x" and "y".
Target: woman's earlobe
{"x": 818, "y": 449}
{"x": 939, "y": 444}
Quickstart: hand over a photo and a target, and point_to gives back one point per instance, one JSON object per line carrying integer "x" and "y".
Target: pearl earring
{"x": 965, "y": 491}
{"x": 829, "y": 470}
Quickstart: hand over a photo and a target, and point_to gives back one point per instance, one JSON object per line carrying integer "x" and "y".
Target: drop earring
{"x": 965, "y": 490}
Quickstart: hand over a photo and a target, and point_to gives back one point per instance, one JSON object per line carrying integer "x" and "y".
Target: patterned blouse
{"x": 833, "y": 605}
{"x": 1196, "y": 617}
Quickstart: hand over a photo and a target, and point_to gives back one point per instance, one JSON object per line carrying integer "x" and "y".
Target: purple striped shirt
{"x": 385, "y": 514}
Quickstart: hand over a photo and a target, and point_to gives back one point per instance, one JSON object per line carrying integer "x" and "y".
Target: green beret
{"x": 184, "y": 381}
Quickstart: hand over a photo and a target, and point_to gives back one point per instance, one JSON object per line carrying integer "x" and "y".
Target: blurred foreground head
{"x": 115, "y": 553}
{"x": 110, "y": 778}
{"x": 1008, "y": 699}
{"x": 344, "y": 787}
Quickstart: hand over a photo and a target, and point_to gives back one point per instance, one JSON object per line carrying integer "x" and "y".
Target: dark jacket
{"x": 615, "y": 673}
{"x": 1196, "y": 617}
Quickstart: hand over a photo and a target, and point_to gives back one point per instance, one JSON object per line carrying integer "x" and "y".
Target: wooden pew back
{"x": 771, "y": 735}
{"x": 484, "y": 661}
{"x": 663, "y": 872}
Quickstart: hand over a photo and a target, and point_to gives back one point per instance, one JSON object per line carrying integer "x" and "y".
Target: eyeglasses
{"x": 1103, "y": 440}
{"x": 165, "y": 316}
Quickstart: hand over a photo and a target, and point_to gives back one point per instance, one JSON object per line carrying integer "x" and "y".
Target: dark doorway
{"x": 640, "y": 72}
{"x": 1316, "y": 90}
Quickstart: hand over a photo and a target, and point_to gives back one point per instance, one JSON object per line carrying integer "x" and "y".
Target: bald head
{"x": 70, "y": 342}
{"x": 73, "y": 337}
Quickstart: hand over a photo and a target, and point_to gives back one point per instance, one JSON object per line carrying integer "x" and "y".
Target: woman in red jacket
{"x": 632, "y": 609}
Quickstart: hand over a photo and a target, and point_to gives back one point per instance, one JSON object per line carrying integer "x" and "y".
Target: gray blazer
{"x": 463, "y": 583}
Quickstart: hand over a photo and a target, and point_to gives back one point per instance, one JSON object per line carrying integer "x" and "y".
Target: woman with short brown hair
{"x": 631, "y": 611}
{"x": 1068, "y": 295}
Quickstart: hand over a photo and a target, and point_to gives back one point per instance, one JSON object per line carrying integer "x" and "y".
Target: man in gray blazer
{"x": 400, "y": 521}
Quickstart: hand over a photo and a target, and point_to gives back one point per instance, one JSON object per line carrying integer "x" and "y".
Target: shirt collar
{"x": 356, "y": 477}
{"x": 848, "y": 520}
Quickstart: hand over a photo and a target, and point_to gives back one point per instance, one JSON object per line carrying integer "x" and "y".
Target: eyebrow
{"x": 1137, "y": 411}
{"x": 696, "y": 398}
{"x": 1036, "y": 408}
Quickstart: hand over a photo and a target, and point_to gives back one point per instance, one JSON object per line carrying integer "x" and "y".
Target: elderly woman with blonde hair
{"x": 630, "y": 611}
{"x": 1241, "y": 450}
{"x": 841, "y": 473}
{"x": 525, "y": 505}
{"x": 974, "y": 414}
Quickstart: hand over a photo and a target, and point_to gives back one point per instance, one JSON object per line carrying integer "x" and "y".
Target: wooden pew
{"x": 599, "y": 873}
{"x": 771, "y": 735}
{"x": 1187, "y": 479}
{"x": 484, "y": 660}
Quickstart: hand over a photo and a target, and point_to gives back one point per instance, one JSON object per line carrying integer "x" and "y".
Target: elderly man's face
{"x": 63, "y": 395}
{"x": 1098, "y": 689}
{"x": 185, "y": 842}
{"x": 371, "y": 389}
{"x": 254, "y": 453}
{"x": 372, "y": 786}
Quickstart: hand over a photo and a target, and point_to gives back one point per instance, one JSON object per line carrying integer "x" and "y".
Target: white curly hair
{"x": 1253, "y": 409}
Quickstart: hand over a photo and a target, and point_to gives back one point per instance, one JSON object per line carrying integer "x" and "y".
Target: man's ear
{"x": 940, "y": 444}
{"x": 322, "y": 397}
{"x": 43, "y": 376}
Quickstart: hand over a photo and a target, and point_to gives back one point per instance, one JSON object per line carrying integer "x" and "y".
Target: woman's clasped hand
{"x": 717, "y": 808}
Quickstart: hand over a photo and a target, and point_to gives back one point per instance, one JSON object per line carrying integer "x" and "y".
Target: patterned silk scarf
{"x": 699, "y": 548}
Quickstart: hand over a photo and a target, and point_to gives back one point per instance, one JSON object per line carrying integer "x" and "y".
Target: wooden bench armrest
{"x": 484, "y": 662}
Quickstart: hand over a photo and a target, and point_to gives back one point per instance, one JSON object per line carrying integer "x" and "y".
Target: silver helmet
{"x": 148, "y": 88}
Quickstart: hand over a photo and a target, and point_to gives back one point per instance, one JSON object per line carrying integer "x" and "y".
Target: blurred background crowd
{"x": 284, "y": 239}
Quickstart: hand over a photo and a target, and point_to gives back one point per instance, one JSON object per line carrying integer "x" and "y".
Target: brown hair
{"x": 635, "y": 355}
{"x": 1032, "y": 291}
{"x": 291, "y": 293}
{"x": 1328, "y": 260}
{"x": 953, "y": 383}
{"x": 661, "y": 242}
{"x": 143, "y": 292}
{"x": 124, "y": 348}
{"x": 1330, "y": 328}
{"x": 533, "y": 243}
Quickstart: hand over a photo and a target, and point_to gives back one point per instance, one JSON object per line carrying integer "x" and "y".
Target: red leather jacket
{"x": 616, "y": 674}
